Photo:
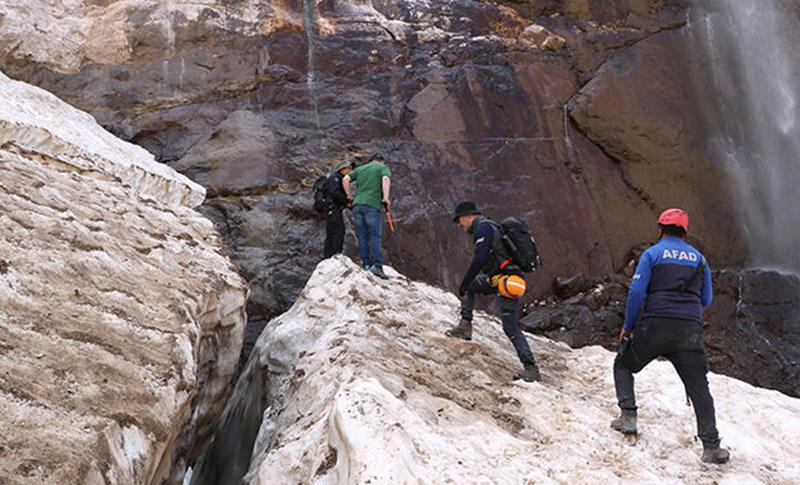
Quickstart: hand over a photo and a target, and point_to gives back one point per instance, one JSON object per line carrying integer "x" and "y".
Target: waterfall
{"x": 752, "y": 59}
{"x": 166, "y": 17}
{"x": 312, "y": 35}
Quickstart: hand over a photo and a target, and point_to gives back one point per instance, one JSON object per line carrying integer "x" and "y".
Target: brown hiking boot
{"x": 716, "y": 455}
{"x": 529, "y": 374}
{"x": 625, "y": 423}
{"x": 463, "y": 330}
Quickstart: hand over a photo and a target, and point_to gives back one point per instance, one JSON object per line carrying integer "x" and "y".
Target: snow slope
{"x": 365, "y": 388}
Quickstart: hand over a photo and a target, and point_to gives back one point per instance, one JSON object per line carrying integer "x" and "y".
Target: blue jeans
{"x": 368, "y": 229}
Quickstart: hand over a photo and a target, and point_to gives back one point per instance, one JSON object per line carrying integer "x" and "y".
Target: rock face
{"x": 359, "y": 385}
{"x": 652, "y": 121}
{"x": 122, "y": 318}
{"x": 753, "y": 328}
{"x": 467, "y": 99}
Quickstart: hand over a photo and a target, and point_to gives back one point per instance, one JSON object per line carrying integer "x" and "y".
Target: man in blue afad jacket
{"x": 671, "y": 287}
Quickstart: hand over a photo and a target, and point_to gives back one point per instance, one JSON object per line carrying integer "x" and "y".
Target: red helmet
{"x": 674, "y": 217}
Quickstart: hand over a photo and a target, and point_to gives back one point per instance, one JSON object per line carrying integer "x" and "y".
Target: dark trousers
{"x": 334, "y": 232}
{"x": 681, "y": 343}
{"x": 508, "y": 314}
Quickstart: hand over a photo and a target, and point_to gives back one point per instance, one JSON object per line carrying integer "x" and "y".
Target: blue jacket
{"x": 666, "y": 283}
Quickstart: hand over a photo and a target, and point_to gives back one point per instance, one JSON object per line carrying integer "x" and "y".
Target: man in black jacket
{"x": 490, "y": 260}
{"x": 334, "y": 222}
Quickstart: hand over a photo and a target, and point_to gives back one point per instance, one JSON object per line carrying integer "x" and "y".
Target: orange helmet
{"x": 511, "y": 286}
{"x": 674, "y": 217}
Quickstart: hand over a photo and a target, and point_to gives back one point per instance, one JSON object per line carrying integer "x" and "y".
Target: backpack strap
{"x": 500, "y": 248}
{"x": 497, "y": 235}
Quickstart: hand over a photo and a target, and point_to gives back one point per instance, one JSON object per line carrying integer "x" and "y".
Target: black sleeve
{"x": 336, "y": 190}
{"x": 484, "y": 235}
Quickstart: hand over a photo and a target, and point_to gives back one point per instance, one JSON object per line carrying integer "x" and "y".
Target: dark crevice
{"x": 648, "y": 35}
{"x": 394, "y": 38}
{"x": 586, "y": 78}
{"x": 227, "y": 459}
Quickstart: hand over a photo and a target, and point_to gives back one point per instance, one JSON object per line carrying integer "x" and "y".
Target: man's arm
{"x": 483, "y": 244}
{"x": 346, "y": 186}
{"x": 386, "y": 185}
{"x": 708, "y": 292}
{"x": 637, "y": 292}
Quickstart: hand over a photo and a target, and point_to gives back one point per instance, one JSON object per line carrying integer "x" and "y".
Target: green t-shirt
{"x": 369, "y": 185}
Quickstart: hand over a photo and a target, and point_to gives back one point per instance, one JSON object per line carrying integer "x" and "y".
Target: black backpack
{"x": 321, "y": 199}
{"x": 520, "y": 244}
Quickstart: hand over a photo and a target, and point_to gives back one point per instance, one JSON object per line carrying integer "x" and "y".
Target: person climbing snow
{"x": 670, "y": 288}
{"x": 492, "y": 271}
{"x": 373, "y": 183}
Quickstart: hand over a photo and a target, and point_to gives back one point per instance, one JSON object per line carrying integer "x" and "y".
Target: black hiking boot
{"x": 529, "y": 374}
{"x": 377, "y": 270}
{"x": 716, "y": 455}
{"x": 625, "y": 423}
{"x": 463, "y": 330}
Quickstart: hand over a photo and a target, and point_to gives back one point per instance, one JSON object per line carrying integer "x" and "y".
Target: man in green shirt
{"x": 373, "y": 182}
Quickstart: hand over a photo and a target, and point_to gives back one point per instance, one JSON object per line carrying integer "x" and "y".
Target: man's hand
{"x": 462, "y": 290}
{"x": 387, "y": 204}
{"x": 623, "y": 334}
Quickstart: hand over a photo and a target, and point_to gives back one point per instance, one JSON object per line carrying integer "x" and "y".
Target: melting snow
{"x": 369, "y": 390}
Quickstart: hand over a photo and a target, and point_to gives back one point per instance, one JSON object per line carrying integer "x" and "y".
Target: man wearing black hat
{"x": 334, "y": 222}
{"x": 488, "y": 262}
{"x": 373, "y": 182}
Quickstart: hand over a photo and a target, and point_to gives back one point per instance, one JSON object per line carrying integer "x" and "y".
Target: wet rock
{"x": 256, "y": 99}
{"x": 752, "y": 328}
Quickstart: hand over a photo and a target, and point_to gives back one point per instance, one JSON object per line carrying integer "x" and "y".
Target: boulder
{"x": 535, "y": 35}
{"x": 567, "y": 286}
